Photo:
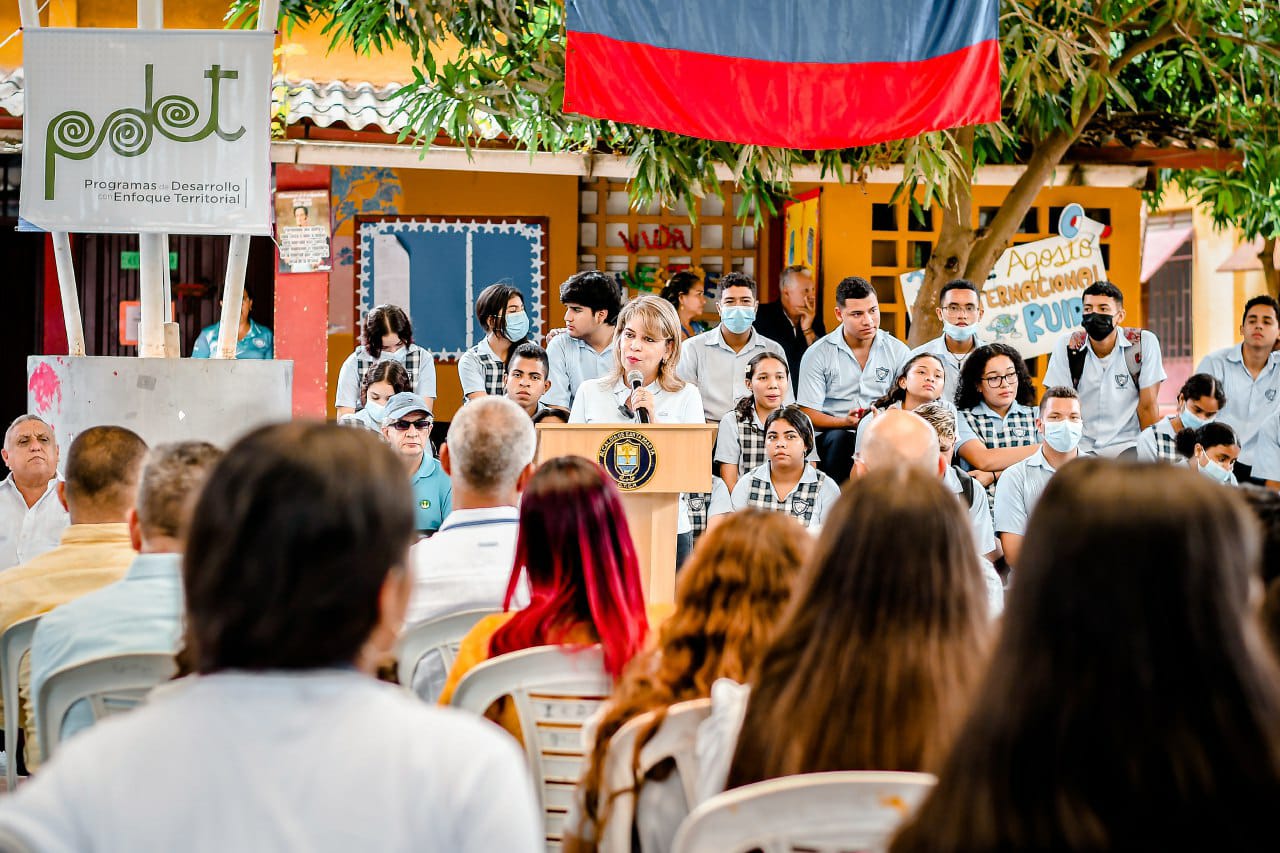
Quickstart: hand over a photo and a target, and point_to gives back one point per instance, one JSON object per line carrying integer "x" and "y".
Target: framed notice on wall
{"x": 302, "y": 230}
{"x": 436, "y": 267}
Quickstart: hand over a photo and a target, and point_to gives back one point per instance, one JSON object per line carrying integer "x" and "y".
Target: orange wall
{"x": 435, "y": 193}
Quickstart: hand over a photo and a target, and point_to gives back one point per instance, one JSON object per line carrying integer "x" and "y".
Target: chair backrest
{"x": 554, "y": 690}
{"x": 441, "y": 635}
{"x": 15, "y": 644}
{"x": 819, "y": 812}
{"x": 675, "y": 740}
{"x": 109, "y": 684}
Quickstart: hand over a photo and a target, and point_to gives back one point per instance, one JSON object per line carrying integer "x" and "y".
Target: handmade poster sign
{"x": 302, "y": 229}
{"x": 147, "y": 131}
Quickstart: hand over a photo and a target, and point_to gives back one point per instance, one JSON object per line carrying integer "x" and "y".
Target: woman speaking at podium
{"x": 643, "y": 387}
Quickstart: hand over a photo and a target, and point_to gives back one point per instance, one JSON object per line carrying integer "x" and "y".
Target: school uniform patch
{"x": 1122, "y": 381}
{"x": 424, "y": 504}
{"x": 800, "y": 507}
{"x": 882, "y": 373}
{"x": 696, "y": 504}
{"x": 1271, "y": 395}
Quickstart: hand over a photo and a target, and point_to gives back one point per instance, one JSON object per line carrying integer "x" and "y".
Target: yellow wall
{"x": 435, "y": 193}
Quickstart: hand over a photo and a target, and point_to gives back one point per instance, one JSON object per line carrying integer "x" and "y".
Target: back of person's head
{"x": 291, "y": 543}
{"x": 382, "y": 321}
{"x": 595, "y": 291}
{"x": 170, "y": 484}
{"x": 491, "y": 443}
{"x": 884, "y": 640}
{"x": 1129, "y": 695}
{"x": 575, "y": 546}
{"x": 898, "y": 439}
{"x": 1265, "y": 504}
{"x": 103, "y": 466}
{"x": 943, "y": 420}
{"x": 729, "y": 597}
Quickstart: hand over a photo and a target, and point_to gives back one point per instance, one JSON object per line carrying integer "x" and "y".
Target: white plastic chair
{"x": 15, "y": 644}
{"x": 554, "y": 690}
{"x": 442, "y": 635}
{"x": 819, "y": 812}
{"x": 111, "y": 685}
{"x": 656, "y": 812}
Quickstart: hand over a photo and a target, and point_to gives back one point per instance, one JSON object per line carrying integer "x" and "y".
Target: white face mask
{"x": 1213, "y": 470}
{"x": 399, "y": 355}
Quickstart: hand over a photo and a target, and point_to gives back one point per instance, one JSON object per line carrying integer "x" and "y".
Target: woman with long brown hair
{"x": 1130, "y": 703}
{"x": 728, "y": 600}
{"x": 884, "y": 640}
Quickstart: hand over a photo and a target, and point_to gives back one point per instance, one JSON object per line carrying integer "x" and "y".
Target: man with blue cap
{"x": 406, "y": 425}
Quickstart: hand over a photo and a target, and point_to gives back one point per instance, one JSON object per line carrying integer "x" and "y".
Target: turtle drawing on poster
{"x": 302, "y": 226}
{"x": 1032, "y": 296}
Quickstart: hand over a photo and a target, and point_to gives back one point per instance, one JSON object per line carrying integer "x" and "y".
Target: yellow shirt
{"x": 88, "y": 557}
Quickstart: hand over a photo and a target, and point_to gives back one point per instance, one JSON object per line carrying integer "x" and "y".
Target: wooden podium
{"x": 651, "y": 464}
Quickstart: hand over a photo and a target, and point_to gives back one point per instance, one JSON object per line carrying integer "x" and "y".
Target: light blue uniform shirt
{"x": 432, "y": 495}
{"x": 1250, "y": 402}
{"x": 720, "y": 373}
{"x": 951, "y": 363}
{"x": 1018, "y": 490}
{"x": 572, "y": 361}
{"x": 831, "y": 380}
{"x": 259, "y": 343}
{"x": 1108, "y": 400}
{"x": 140, "y": 613}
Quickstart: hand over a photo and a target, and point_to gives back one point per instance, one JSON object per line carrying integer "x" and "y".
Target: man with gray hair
{"x": 898, "y": 438}
{"x": 31, "y": 516}
{"x": 466, "y": 565}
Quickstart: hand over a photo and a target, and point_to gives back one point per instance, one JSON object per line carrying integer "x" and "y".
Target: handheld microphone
{"x": 636, "y": 380}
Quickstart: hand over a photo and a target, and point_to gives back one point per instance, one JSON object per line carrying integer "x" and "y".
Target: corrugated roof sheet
{"x": 11, "y": 85}
{"x": 355, "y": 105}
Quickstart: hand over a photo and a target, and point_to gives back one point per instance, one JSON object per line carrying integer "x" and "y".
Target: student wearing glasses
{"x": 996, "y": 402}
{"x": 406, "y": 425}
{"x": 387, "y": 336}
{"x": 960, "y": 310}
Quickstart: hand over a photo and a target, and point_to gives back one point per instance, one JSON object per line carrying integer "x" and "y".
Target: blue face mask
{"x": 738, "y": 319}
{"x": 958, "y": 333}
{"x": 517, "y": 326}
{"x": 1213, "y": 470}
{"x": 1063, "y": 436}
{"x": 399, "y": 355}
{"x": 1190, "y": 421}
{"x": 376, "y": 411}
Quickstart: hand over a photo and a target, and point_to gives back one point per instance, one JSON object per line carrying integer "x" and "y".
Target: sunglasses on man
{"x": 403, "y": 425}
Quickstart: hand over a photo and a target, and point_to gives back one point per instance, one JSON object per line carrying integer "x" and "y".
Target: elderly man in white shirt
{"x": 467, "y": 564}
{"x": 716, "y": 361}
{"x": 31, "y": 516}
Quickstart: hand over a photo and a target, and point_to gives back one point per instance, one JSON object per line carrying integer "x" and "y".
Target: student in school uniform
{"x": 1200, "y": 401}
{"x": 786, "y": 482}
{"x": 1250, "y": 375}
{"x": 527, "y": 385}
{"x": 843, "y": 373}
{"x": 483, "y": 368}
{"x": 1116, "y": 371}
{"x": 740, "y": 443}
{"x": 382, "y": 382}
{"x": 996, "y": 402}
{"x": 942, "y": 418}
{"x": 1062, "y": 425}
{"x": 920, "y": 380}
{"x": 1212, "y": 450}
{"x": 960, "y": 310}
{"x": 584, "y": 350}
{"x": 387, "y": 335}
{"x": 648, "y": 342}
{"x": 714, "y": 360}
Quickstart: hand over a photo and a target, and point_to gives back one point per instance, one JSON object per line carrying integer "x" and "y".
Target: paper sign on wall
{"x": 147, "y": 131}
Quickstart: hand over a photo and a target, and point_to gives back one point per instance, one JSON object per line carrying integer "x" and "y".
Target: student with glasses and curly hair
{"x": 996, "y": 402}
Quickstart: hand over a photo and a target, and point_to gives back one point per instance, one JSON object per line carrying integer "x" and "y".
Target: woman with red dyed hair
{"x": 584, "y": 580}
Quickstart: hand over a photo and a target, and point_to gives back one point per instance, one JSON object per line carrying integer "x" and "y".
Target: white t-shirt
{"x": 327, "y": 760}
{"x": 27, "y": 532}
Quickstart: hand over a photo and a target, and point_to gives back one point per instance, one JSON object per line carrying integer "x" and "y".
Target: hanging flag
{"x": 811, "y": 74}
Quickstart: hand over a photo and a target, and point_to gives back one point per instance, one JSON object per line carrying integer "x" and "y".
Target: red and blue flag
{"x": 811, "y": 74}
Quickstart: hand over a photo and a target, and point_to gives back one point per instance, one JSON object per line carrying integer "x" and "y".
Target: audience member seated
{"x": 786, "y": 482}
{"x": 996, "y": 401}
{"x": 1200, "y": 399}
{"x": 1211, "y": 449}
{"x": 740, "y": 444}
{"x": 386, "y": 335}
{"x": 1266, "y": 507}
{"x": 875, "y": 662}
{"x": 466, "y": 564}
{"x": 103, "y": 465}
{"x": 143, "y": 612}
{"x": 900, "y": 439}
{"x": 584, "y": 581}
{"x": 296, "y": 586}
{"x": 729, "y": 597}
{"x": 1145, "y": 718}
{"x": 32, "y": 517}
{"x": 380, "y": 383}
{"x": 527, "y": 383}
{"x": 942, "y": 418}
{"x": 406, "y": 425}
{"x": 920, "y": 380}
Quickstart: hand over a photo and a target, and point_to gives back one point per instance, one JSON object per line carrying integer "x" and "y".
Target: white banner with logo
{"x": 147, "y": 131}
{"x": 1032, "y": 297}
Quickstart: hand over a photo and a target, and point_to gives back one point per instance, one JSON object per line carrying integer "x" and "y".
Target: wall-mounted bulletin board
{"x": 436, "y": 266}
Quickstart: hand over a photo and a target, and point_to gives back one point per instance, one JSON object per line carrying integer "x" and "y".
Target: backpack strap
{"x": 966, "y": 485}
{"x": 1075, "y": 356}
{"x": 1133, "y": 355}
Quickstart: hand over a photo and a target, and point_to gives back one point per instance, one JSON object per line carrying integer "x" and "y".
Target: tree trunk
{"x": 950, "y": 256}
{"x": 1269, "y": 272}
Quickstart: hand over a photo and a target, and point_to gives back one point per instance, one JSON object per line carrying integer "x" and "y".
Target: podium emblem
{"x": 629, "y": 458}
